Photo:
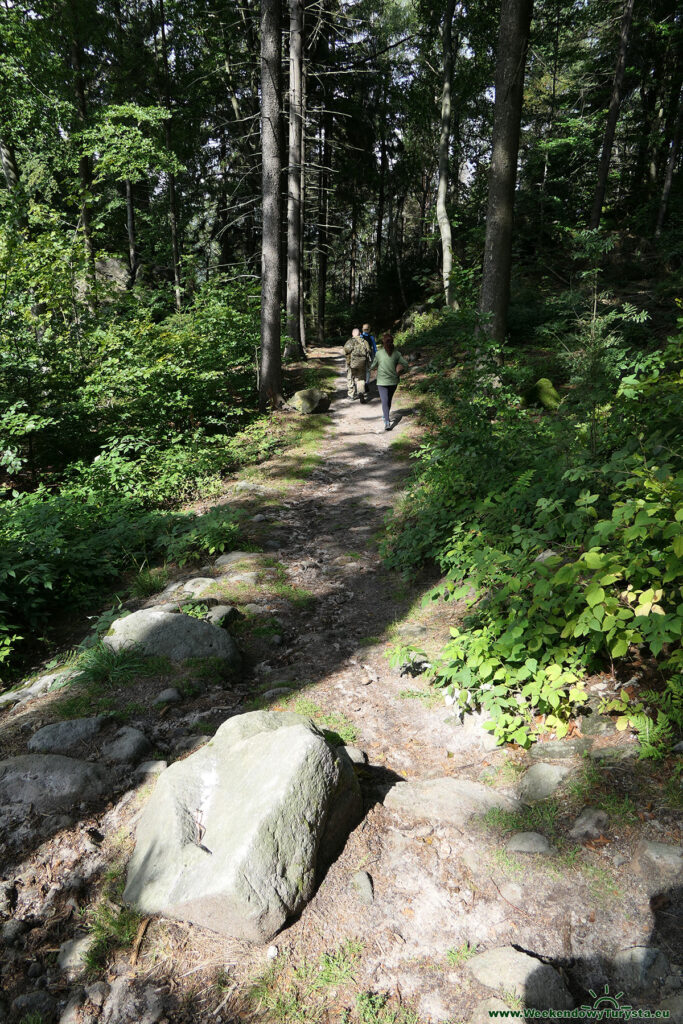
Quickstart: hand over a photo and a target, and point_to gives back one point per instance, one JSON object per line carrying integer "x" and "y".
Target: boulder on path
{"x": 590, "y": 824}
{"x": 541, "y": 781}
{"x": 447, "y": 800}
{"x": 310, "y": 400}
{"x": 528, "y": 842}
{"x": 63, "y": 737}
{"x": 232, "y": 557}
{"x": 174, "y": 636}
{"x": 127, "y": 746}
{"x": 665, "y": 857}
{"x": 232, "y": 837}
{"x": 538, "y": 985}
{"x": 48, "y": 782}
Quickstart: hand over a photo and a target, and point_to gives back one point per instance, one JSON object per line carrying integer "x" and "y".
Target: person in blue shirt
{"x": 370, "y": 338}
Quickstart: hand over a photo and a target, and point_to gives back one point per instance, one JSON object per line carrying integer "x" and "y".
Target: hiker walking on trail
{"x": 357, "y": 352}
{"x": 390, "y": 364}
{"x": 370, "y": 338}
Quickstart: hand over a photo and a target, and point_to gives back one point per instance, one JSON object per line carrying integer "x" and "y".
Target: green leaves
{"x": 569, "y": 558}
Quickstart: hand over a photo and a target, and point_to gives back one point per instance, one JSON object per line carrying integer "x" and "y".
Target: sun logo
{"x": 605, "y": 1002}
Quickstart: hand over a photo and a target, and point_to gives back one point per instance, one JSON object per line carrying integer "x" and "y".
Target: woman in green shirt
{"x": 389, "y": 363}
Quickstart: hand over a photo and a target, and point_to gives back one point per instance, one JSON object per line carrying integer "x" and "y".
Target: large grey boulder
{"x": 446, "y": 800}
{"x": 310, "y": 400}
{"x": 506, "y": 970}
{"x": 48, "y": 782}
{"x": 232, "y": 837}
{"x": 63, "y": 737}
{"x": 176, "y": 637}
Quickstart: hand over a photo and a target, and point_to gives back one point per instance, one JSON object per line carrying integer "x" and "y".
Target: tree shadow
{"x": 638, "y": 977}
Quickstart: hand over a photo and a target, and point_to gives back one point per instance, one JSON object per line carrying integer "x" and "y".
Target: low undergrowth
{"x": 562, "y": 531}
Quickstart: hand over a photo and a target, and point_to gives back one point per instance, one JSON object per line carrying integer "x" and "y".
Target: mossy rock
{"x": 543, "y": 393}
{"x": 310, "y": 400}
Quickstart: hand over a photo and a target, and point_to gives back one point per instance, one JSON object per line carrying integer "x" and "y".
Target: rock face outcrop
{"x": 232, "y": 837}
{"x": 177, "y": 637}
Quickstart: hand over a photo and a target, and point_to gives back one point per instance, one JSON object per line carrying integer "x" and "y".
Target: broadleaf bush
{"x": 564, "y": 543}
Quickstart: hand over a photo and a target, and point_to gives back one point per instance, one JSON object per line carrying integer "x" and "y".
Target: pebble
{"x": 168, "y": 696}
{"x": 272, "y": 952}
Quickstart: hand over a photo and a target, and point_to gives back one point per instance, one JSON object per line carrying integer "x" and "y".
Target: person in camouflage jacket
{"x": 358, "y": 355}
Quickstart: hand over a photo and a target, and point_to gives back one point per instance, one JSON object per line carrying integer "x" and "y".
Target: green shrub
{"x": 570, "y": 539}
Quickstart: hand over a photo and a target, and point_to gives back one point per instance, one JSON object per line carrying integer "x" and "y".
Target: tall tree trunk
{"x": 391, "y": 231}
{"x": 444, "y": 145}
{"x": 130, "y": 227}
{"x": 323, "y": 231}
{"x": 296, "y": 49}
{"x": 172, "y": 201}
{"x": 612, "y": 116}
{"x": 354, "y": 254}
{"x": 513, "y": 38}
{"x": 84, "y": 160}
{"x": 9, "y": 165}
{"x": 671, "y": 164}
{"x": 302, "y": 220}
{"x": 270, "y": 375}
{"x": 382, "y": 177}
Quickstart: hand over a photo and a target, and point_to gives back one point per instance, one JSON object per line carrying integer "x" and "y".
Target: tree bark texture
{"x": 513, "y": 38}
{"x": 172, "y": 201}
{"x": 323, "y": 213}
{"x": 9, "y": 165}
{"x": 444, "y": 145}
{"x": 270, "y": 362}
{"x": 612, "y": 117}
{"x": 302, "y": 220}
{"x": 296, "y": 47}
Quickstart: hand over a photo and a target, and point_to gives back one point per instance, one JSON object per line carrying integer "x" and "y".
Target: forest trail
{"x": 421, "y": 887}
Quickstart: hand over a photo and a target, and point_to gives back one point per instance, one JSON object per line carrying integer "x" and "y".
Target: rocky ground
{"x": 478, "y": 879}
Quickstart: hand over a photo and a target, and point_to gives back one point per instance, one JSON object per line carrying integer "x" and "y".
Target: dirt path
{"x": 320, "y": 620}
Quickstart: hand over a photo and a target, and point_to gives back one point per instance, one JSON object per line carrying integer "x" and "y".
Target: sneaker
{"x": 362, "y": 398}
{"x": 387, "y": 425}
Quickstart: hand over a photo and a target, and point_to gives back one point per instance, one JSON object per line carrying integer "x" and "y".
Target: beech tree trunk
{"x": 270, "y": 369}
{"x": 444, "y": 145}
{"x": 612, "y": 117}
{"x": 296, "y": 47}
{"x": 513, "y": 38}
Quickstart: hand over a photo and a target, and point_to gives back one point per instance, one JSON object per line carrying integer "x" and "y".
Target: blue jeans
{"x": 386, "y": 393}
